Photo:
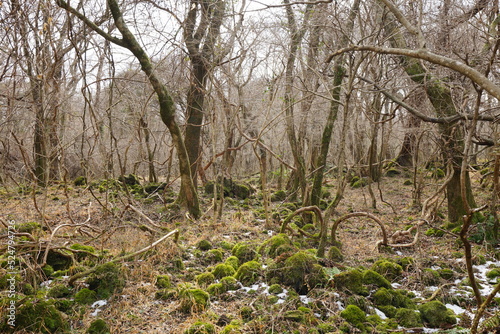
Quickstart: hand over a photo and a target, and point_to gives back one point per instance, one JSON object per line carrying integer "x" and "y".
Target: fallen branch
{"x": 140, "y": 213}
{"x": 175, "y": 233}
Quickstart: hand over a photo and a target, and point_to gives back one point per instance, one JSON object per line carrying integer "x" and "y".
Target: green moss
{"x": 200, "y": 327}
{"x": 294, "y": 315}
{"x": 248, "y": 272}
{"x": 360, "y": 183}
{"x": 275, "y": 289}
{"x": 166, "y": 294}
{"x": 392, "y": 172}
{"x": 222, "y": 270}
{"x": 326, "y": 327}
{"x": 192, "y": 299}
{"x": 28, "y": 227}
{"x": 48, "y": 271}
{"x": 430, "y": 277}
{"x": 408, "y": 183}
{"x": 213, "y": 256}
{"x": 231, "y": 329}
{"x": 59, "y": 291}
{"x": 270, "y": 246}
{"x": 28, "y": 289}
{"x": 388, "y": 269}
{"x": 226, "y": 245}
{"x": 85, "y": 296}
{"x": 204, "y": 245}
{"x": 233, "y": 262}
{"x": 163, "y": 281}
{"x": 359, "y": 301}
{"x": 246, "y": 313}
{"x": 371, "y": 277}
{"x": 335, "y": 254}
{"x": 447, "y": 274}
{"x": 278, "y": 196}
{"x": 230, "y": 283}
{"x": 408, "y": 318}
{"x": 98, "y": 326}
{"x": 432, "y": 232}
{"x": 389, "y": 310}
{"x": 350, "y": 281}
{"x": 299, "y": 271}
{"x": 493, "y": 273}
{"x": 106, "y": 280}
{"x": 40, "y": 317}
{"x": 64, "y": 305}
{"x": 244, "y": 252}
{"x": 80, "y": 181}
{"x": 205, "y": 279}
{"x": 82, "y": 255}
{"x": 436, "y": 315}
{"x": 395, "y": 298}
{"x": 405, "y": 262}
{"x": 355, "y": 316}
{"x": 59, "y": 260}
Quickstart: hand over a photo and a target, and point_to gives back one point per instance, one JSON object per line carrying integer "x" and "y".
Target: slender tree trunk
{"x": 326, "y": 138}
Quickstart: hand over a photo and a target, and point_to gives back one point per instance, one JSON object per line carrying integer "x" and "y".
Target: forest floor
{"x": 286, "y": 289}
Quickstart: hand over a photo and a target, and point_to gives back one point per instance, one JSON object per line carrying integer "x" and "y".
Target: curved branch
{"x": 458, "y": 66}
{"x": 359, "y": 214}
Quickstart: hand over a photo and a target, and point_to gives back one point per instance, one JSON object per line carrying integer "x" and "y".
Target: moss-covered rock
{"x": 40, "y": 317}
{"x": 28, "y": 227}
{"x": 231, "y": 329}
{"x": 47, "y": 270}
{"x": 98, "y": 326}
{"x": 355, "y": 316}
{"x": 408, "y": 318}
{"x": 106, "y": 280}
{"x": 396, "y": 298}
{"x": 213, "y": 256}
{"x": 129, "y": 180}
{"x": 230, "y": 283}
{"x": 278, "y": 196}
{"x": 493, "y": 273}
{"x": 215, "y": 289}
{"x": 85, "y": 296}
{"x": 59, "y": 291}
{"x": 246, "y": 313}
{"x": 391, "y": 172}
{"x": 244, "y": 252}
{"x": 430, "y": 277}
{"x": 204, "y": 245}
{"x": 335, "y": 254}
{"x": 372, "y": 278}
{"x": 294, "y": 315}
{"x": 163, "y": 281}
{"x": 80, "y": 181}
{"x": 299, "y": 271}
{"x": 200, "y": 327}
{"x": 59, "y": 260}
{"x": 270, "y": 246}
{"x": 388, "y": 269}
{"x": 436, "y": 315}
{"x": 350, "y": 281}
{"x": 192, "y": 299}
{"x": 248, "y": 272}
{"x": 275, "y": 289}
{"x": 222, "y": 270}
{"x": 233, "y": 262}
{"x": 166, "y": 294}
{"x": 446, "y": 273}
{"x": 205, "y": 279}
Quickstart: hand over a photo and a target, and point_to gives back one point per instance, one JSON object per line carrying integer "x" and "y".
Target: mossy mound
{"x": 300, "y": 271}
{"x": 278, "y": 196}
{"x": 355, "y": 316}
{"x": 204, "y": 245}
{"x": 408, "y": 318}
{"x": 129, "y": 180}
{"x": 200, "y": 327}
{"x": 80, "y": 181}
{"x": 430, "y": 277}
{"x": 213, "y": 256}
{"x": 85, "y": 296}
{"x": 270, "y": 246}
{"x": 372, "y": 278}
{"x": 388, "y": 269}
{"x": 98, "y": 326}
{"x": 350, "y": 281}
{"x": 231, "y": 329}
{"x": 248, "y": 272}
{"x": 230, "y": 283}
{"x": 40, "y": 317}
{"x": 83, "y": 251}
{"x": 205, "y": 279}
{"x": 396, "y": 298}
{"x": 493, "y": 273}
{"x": 59, "y": 291}
{"x": 435, "y": 314}
{"x": 244, "y": 252}
{"x": 106, "y": 280}
{"x": 233, "y": 262}
{"x": 192, "y": 299}
{"x": 275, "y": 289}
{"x": 163, "y": 281}
{"x": 335, "y": 254}
{"x": 222, "y": 270}
{"x": 59, "y": 260}
{"x": 28, "y": 227}
{"x": 232, "y": 189}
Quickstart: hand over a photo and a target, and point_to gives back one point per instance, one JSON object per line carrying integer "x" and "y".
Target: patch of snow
{"x": 280, "y": 301}
{"x": 396, "y": 285}
{"x": 46, "y": 283}
{"x": 435, "y": 267}
{"x": 341, "y": 307}
{"x": 304, "y": 299}
{"x": 455, "y": 308}
{"x": 379, "y": 313}
{"x": 431, "y": 330}
{"x": 270, "y": 232}
{"x": 99, "y": 303}
{"x": 399, "y": 253}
